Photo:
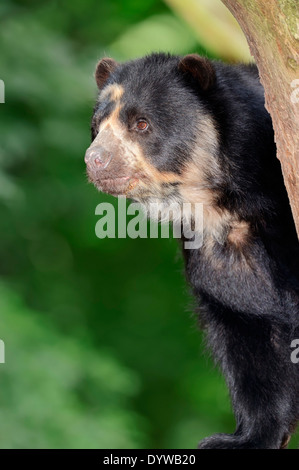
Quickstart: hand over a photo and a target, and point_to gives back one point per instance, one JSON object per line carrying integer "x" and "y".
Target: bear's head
{"x": 153, "y": 136}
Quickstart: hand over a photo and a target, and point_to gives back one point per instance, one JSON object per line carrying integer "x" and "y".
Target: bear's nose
{"x": 98, "y": 156}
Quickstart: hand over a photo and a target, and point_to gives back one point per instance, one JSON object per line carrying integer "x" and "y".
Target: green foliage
{"x": 56, "y": 393}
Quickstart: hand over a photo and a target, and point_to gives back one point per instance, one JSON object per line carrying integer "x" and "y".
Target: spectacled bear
{"x": 187, "y": 129}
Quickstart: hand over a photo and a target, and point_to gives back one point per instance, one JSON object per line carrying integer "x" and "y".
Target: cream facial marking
{"x": 113, "y": 92}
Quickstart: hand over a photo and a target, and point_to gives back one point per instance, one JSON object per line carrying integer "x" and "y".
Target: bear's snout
{"x": 97, "y": 157}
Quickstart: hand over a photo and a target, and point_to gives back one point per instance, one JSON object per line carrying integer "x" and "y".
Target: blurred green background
{"x": 102, "y": 349}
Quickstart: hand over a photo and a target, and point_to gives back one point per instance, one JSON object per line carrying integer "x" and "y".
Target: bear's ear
{"x": 200, "y": 68}
{"x": 104, "y": 68}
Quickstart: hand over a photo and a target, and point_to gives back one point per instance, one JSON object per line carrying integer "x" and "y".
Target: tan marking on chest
{"x": 239, "y": 234}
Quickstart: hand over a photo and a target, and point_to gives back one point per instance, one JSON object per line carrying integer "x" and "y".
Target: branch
{"x": 214, "y": 26}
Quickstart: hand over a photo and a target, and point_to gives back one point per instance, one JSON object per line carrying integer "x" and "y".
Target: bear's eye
{"x": 141, "y": 125}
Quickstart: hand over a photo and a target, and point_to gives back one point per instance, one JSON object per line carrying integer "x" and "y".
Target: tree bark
{"x": 272, "y": 31}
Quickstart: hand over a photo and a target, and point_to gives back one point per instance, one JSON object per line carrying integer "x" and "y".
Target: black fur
{"x": 248, "y": 294}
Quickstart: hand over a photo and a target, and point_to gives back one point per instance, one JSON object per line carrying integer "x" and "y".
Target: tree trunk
{"x": 272, "y": 31}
